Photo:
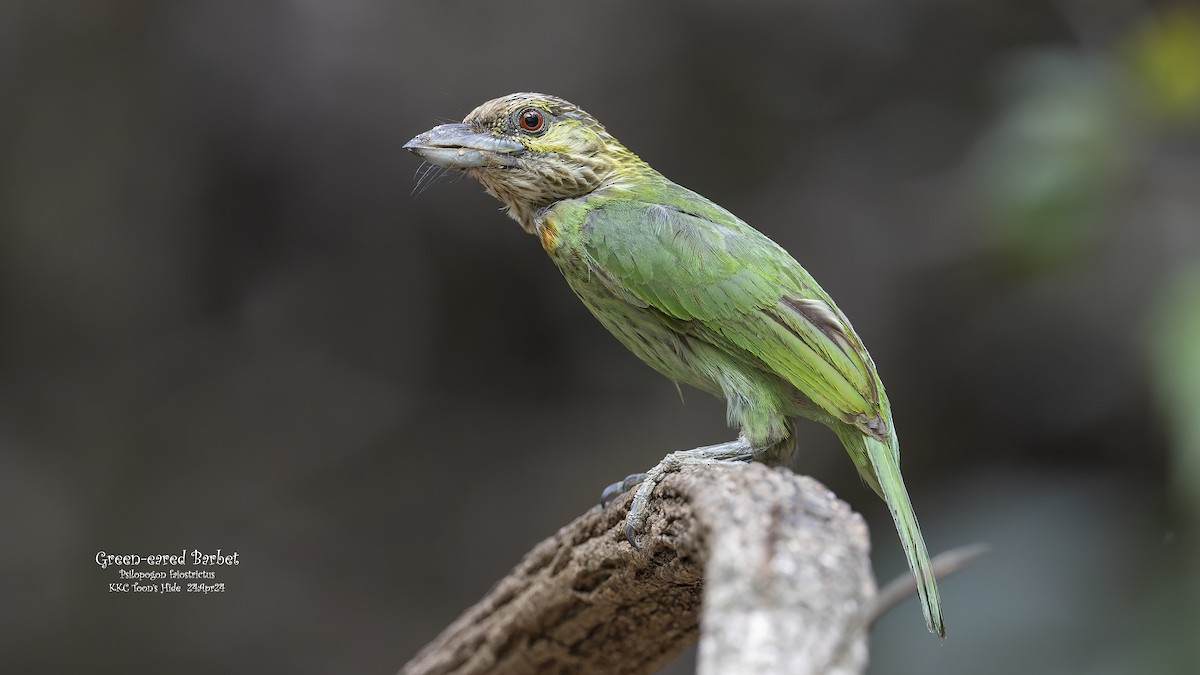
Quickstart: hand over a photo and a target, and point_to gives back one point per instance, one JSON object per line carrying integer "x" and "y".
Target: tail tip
{"x": 935, "y": 625}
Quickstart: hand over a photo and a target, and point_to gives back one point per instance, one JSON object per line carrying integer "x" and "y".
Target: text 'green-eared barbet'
{"x": 696, "y": 293}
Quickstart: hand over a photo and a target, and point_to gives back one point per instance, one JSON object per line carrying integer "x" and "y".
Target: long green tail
{"x": 886, "y": 480}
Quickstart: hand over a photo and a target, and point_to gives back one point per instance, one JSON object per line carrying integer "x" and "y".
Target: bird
{"x": 693, "y": 291}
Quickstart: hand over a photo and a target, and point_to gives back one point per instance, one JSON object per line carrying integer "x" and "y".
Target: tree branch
{"x": 782, "y": 562}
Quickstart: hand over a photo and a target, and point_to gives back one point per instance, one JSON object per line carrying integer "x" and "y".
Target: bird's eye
{"x": 531, "y": 120}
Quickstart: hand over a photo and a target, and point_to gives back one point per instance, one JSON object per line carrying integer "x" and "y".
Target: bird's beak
{"x": 457, "y": 146}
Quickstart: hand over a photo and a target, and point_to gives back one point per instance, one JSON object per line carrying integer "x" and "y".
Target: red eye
{"x": 531, "y": 119}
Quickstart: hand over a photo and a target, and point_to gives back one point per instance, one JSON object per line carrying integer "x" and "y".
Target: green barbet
{"x": 696, "y": 293}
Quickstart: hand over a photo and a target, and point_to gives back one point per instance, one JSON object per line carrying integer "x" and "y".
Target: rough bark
{"x": 782, "y": 563}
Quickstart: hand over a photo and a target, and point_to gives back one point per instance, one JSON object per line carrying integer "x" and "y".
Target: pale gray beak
{"x": 457, "y": 146}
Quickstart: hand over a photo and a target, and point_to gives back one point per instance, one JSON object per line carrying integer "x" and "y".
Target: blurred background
{"x": 226, "y": 321}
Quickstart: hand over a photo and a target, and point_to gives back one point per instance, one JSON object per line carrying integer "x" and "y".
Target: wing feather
{"x": 708, "y": 269}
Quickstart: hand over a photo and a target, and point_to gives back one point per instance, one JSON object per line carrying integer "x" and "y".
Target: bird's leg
{"x": 739, "y": 450}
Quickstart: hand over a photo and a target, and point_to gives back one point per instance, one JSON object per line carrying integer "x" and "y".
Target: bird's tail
{"x": 884, "y": 459}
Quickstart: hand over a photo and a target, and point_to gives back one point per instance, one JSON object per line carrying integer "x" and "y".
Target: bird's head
{"x": 528, "y": 151}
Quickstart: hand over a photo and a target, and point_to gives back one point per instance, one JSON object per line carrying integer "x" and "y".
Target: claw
{"x": 631, "y": 535}
{"x": 610, "y": 493}
{"x": 620, "y": 487}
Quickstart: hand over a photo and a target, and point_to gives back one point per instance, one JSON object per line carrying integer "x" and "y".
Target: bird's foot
{"x": 620, "y": 487}
{"x": 738, "y": 450}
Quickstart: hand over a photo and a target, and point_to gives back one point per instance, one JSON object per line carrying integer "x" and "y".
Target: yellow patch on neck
{"x": 548, "y": 233}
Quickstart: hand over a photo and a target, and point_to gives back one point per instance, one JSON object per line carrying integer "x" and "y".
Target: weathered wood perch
{"x": 782, "y": 563}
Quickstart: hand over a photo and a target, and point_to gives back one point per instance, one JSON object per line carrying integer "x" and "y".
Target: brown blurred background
{"x": 226, "y": 322}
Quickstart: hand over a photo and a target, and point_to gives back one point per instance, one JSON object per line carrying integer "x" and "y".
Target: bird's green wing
{"x": 732, "y": 286}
